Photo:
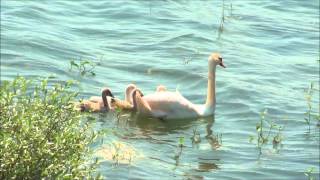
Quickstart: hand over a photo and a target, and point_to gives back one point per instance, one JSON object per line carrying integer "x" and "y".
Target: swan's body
{"x": 172, "y": 105}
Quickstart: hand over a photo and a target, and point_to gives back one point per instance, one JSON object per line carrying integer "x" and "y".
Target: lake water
{"x": 270, "y": 48}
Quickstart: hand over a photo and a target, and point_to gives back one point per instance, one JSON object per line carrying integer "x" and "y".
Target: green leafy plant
{"x": 224, "y": 7}
{"x": 116, "y": 154}
{"x": 309, "y": 173}
{"x": 181, "y": 141}
{"x": 277, "y": 139}
{"x": 265, "y": 129}
{"x": 118, "y": 113}
{"x": 215, "y": 140}
{"x": 84, "y": 67}
{"x": 178, "y": 152}
{"x": 310, "y": 114}
{"x": 41, "y": 133}
{"x": 196, "y": 138}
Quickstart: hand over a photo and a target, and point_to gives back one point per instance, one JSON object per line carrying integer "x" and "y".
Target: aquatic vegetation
{"x": 178, "y": 151}
{"x": 215, "y": 140}
{"x": 218, "y": 137}
{"x": 188, "y": 59}
{"x": 310, "y": 113}
{"x": 222, "y": 19}
{"x": 224, "y": 16}
{"x": 84, "y": 67}
{"x": 181, "y": 141}
{"x": 278, "y": 137}
{"x": 118, "y": 113}
{"x": 265, "y": 129}
{"x": 41, "y": 134}
{"x": 309, "y": 173}
{"x": 196, "y": 138}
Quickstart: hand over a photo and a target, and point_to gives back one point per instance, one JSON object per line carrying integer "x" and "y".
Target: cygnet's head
{"x": 129, "y": 90}
{"x": 130, "y": 87}
{"x": 106, "y": 97}
{"x": 216, "y": 59}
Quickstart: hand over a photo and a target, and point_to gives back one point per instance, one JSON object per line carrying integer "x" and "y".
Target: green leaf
{"x": 82, "y": 63}
{"x": 73, "y": 63}
{"x": 251, "y": 138}
{"x": 258, "y": 127}
{"x": 181, "y": 141}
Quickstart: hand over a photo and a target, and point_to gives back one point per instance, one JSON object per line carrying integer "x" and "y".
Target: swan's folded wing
{"x": 171, "y": 104}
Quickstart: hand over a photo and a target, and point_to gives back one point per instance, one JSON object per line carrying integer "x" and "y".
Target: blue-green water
{"x": 271, "y": 50}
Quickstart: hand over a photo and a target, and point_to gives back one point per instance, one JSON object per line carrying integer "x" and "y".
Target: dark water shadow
{"x": 169, "y": 126}
{"x": 207, "y": 166}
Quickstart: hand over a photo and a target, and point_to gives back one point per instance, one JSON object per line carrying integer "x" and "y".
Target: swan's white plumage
{"x": 172, "y": 105}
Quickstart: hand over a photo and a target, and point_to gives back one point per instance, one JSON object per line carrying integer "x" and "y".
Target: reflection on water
{"x": 154, "y": 125}
{"x": 206, "y": 166}
{"x": 131, "y": 127}
{"x": 119, "y": 153}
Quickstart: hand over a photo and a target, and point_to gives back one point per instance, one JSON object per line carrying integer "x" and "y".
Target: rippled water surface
{"x": 270, "y": 48}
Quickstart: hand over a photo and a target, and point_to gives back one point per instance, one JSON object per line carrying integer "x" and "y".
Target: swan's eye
{"x": 220, "y": 59}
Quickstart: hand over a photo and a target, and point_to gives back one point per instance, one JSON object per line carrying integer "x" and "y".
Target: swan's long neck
{"x": 105, "y": 101}
{"x": 106, "y": 92}
{"x": 127, "y": 96}
{"x": 211, "y": 92}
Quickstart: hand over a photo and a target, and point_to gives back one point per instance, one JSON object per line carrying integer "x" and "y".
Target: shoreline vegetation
{"x": 42, "y": 135}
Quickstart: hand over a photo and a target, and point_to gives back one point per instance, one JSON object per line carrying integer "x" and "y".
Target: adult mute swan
{"x": 172, "y": 105}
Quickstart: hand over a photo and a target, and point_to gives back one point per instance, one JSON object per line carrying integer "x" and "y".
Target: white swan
{"x": 172, "y": 105}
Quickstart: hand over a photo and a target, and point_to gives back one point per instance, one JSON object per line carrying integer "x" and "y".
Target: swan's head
{"x": 216, "y": 59}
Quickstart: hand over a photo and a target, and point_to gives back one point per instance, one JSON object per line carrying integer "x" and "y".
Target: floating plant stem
{"x": 222, "y": 19}
{"x": 196, "y": 137}
{"x": 309, "y": 114}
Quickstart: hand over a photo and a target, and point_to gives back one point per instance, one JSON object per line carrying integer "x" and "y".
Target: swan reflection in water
{"x": 140, "y": 127}
{"x": 130, "y": 126}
